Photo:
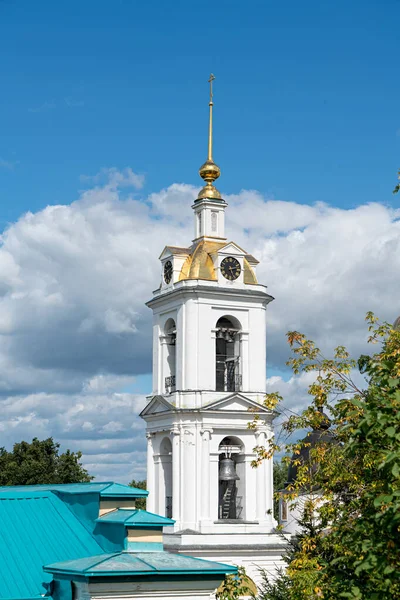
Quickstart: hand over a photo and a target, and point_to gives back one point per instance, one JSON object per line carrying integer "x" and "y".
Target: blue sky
{"x": 306, "y": 97}
{"x": 307, "y": 134}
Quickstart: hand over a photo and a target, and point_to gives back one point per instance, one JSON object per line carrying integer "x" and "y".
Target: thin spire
{"x": 210, "y": 171}
{"x": 210, "y": 126}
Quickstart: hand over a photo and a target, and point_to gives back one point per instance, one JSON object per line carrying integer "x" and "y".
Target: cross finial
{"x": 210, "y": 81}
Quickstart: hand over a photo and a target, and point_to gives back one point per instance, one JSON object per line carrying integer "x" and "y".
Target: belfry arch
{"x": 231, "y": 479}
{"x": 228, "y": 376}
{"x": 165, "y": 503}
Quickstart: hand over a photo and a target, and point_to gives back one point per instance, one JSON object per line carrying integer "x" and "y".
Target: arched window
{"x": 170, "y": 338}
{"x": 166, "y": 477}
{"x": 227, "y": 355}
{"x": 231, "y": 479}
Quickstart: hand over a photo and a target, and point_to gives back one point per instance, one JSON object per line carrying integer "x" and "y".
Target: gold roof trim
{"x": 248, "y": 274}
{"x": 200, "y": 265}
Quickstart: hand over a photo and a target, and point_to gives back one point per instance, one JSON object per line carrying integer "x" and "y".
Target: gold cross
{"x": 212, "y": 77}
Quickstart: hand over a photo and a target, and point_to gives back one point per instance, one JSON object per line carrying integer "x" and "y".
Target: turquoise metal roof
{"x": 36, "y": 528}
{"x": 135, "y": 518}
{"x": 117, "y": 490}
{"x": 138, "y": 564}
{"x": 106, "y": 489}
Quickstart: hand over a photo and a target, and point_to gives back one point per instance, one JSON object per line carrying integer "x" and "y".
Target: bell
{"x": 227, "y": 470}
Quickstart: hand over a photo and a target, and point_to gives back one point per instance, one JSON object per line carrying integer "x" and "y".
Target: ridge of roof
{"x": 133, "y": 564}
{"x": 106, "y": 489}
{"x": 135, "y": 517}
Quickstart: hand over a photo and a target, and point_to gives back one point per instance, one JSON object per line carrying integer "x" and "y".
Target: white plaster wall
{"x": 253, "y": 561}
{"x": 195, "y": 438}
{"x": 196, "y": 313}
{"x": 204, "y": 226}
{"x": 294, "y": 511}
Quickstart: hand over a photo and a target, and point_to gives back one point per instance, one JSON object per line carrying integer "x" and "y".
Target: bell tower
{"x": 209, "y": 375}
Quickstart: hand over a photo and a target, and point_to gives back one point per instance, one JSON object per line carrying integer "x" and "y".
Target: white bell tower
{"x": 209, "y": 375}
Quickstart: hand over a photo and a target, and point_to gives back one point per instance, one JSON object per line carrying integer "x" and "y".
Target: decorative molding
{"x": 206, "y": 433}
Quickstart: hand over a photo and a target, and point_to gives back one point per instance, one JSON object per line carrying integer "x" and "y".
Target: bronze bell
{"x": 227, "y": 470}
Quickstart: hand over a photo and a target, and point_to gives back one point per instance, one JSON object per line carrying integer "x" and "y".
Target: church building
{"x": 209, "y": 380}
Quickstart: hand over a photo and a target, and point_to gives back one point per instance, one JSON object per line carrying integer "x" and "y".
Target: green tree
{"x": 142, "y": 485}
{"x": 236, "y": 586}
{"x": 349, "y": 541}
{"x": 40, "y": 462}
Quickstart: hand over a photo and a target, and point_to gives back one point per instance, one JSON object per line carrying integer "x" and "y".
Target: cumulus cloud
{"x": 74, "y": 329}
{"x": 113, "y": 178}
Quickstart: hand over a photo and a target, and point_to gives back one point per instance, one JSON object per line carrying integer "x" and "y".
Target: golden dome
{"x": 200, "y": 264}
{"x": 209, "y": 171}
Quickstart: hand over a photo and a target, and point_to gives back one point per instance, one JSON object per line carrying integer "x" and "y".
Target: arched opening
{"x": 166, "y": 477}
{"x": 227, "y": 355}
{"x": 170, "y": 340}
{"x": 231, "y": 479}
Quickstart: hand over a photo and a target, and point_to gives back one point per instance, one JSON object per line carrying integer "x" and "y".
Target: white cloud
{"x": 74, "y": 330}
{"x": 113, "y": 178}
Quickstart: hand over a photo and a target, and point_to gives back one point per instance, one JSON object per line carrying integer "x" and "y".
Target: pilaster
{"x": 176, "y": 479}
{"x": 205, "y": 473}
{"x": 150, "y": 503}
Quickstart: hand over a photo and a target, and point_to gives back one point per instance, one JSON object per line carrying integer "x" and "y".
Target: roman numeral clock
{"x": 230, "y": 268}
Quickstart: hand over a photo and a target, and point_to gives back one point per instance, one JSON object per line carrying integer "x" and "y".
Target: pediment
{"x": 232, "y": 248}
{"x": 173, "y": 251}
{"x": 158, "y": 404}
{"x": 236, "y": 402}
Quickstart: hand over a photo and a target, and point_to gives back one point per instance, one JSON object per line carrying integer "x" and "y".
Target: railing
{"x": 239, "y": 507}
{"x": 228, "y": 378}
{"x": 170, "y": 384}
{"x": 237, "y": 383}
{"x": 168, "y": 507}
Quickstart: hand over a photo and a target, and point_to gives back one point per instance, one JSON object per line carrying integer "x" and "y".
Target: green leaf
{"x": 395, "y": 470}
{"x": 390, "y": 431}
{"x": 383, "y": 499}
{"x": 388, "y": 569}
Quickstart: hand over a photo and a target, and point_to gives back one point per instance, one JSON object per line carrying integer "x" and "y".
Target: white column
{"x": 244, "y": 359}
{"x": 176, "y": 482}
{"x": 260, "y": 482}
{"x": 214, "y": 489}
{"x": 188, "y": 475}
{"x": 191, "y": 344}
{"x": 205, "y": 474}
{"x": 150, "y": 504}
{"x": 156, "y": 357}
{"x": 164, "y": 371}
{"x": 180, "y": 361}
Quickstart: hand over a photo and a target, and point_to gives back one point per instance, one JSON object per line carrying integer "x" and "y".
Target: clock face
{"x": 168, "y": 271}
{"x": 230, "y": 268}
